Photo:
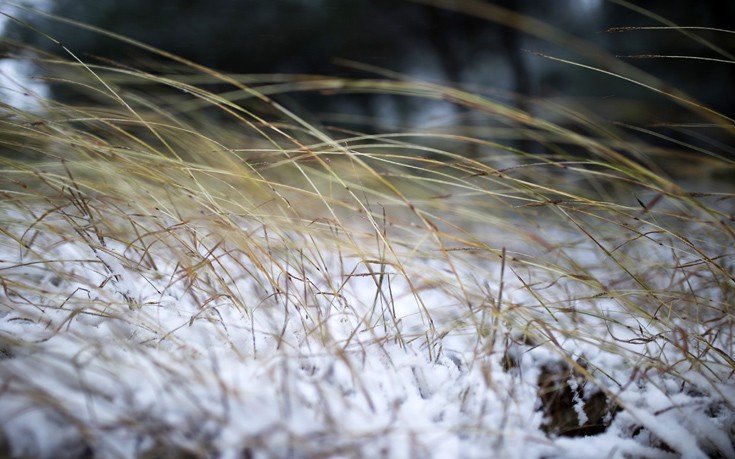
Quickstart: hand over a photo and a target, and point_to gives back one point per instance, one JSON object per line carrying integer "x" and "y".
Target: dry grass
{"x": 579, "y": 263}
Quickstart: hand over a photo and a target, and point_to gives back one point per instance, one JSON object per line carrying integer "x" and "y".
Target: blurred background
{"x": 439, "y": 41}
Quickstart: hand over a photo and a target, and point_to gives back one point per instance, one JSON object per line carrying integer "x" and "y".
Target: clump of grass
{"x": 264, "y": 285}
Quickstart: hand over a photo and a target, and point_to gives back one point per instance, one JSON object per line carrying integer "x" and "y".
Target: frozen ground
{"x": 179, "y": 338}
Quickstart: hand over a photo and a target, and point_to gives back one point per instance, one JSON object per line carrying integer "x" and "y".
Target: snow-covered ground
{"x": 239, "y": 339}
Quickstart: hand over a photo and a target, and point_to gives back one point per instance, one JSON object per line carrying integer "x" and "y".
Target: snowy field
{"x": 165, "y": 336}
{"x": 267, "y": 287}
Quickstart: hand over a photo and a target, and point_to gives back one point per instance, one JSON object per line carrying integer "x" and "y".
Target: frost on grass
{"x": 233, "y": 337}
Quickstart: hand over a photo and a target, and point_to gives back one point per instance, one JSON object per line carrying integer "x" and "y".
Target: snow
{"x": 578, "y": 402}
{"x": 219, "y": 362}
{"x": 17, "y": 86}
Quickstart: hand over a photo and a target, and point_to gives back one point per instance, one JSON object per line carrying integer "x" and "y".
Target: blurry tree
{"x": 296, "y": 36}
{"x": 305, "y": 36}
